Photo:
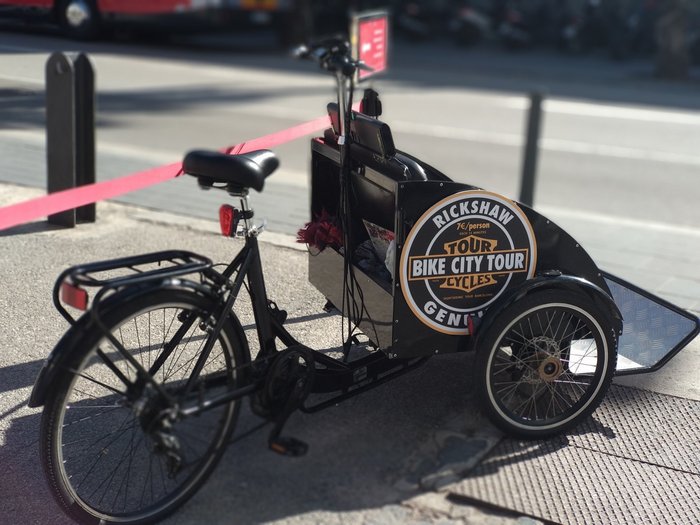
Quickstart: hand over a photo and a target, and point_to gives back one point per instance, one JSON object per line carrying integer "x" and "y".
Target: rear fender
{"x": 554, "y": 280}
{"x": 60, "y": 357}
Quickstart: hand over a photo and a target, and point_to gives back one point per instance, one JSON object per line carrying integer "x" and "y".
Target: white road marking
{"x": 455, "y": 133}
{"x": 21, "y": 79}
{"x": 554, "y": 212}
{"x": 620, "y": 152}
{"x": 300, "y": 178}
{"x": 514, "y": 140}
{"x": 585, "y": 109}
{"x": 38, "y": 138}
{"x": 547, "y": 144}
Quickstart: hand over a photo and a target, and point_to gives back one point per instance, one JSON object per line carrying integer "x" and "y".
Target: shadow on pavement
{"x": 524, "y": 451}
{"x": 29, "y": 228}
{"x": 361, "y": 453}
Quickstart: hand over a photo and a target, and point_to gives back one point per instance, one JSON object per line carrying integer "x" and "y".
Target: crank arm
{"x": 285, "y": 445}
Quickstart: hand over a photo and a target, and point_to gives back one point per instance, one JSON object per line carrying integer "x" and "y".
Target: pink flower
{"x": 321, "y": 232}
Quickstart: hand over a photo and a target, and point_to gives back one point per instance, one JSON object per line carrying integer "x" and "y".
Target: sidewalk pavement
{"x": 413, "y": 451}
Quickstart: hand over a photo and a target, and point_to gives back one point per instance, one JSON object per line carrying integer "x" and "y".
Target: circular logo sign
{"x": 461, "y": 255}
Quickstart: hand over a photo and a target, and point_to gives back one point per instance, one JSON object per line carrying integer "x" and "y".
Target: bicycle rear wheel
{"x": 545, "y": 364}
{"x": 110, "y": 444}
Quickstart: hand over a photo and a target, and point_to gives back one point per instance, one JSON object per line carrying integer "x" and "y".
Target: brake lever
{"x": 360, "y": 64}
{"x": 316, "y": 54}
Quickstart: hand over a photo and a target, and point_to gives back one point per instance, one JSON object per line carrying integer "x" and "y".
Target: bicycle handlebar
{"x": 331, "y": 54}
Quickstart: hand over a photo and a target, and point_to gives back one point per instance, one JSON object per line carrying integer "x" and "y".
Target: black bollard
{"x": 70, "y": 131}
{"x": 534, "y": 120}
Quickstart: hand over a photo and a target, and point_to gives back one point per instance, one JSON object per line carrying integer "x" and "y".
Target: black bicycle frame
{"x": 247, "y": 263}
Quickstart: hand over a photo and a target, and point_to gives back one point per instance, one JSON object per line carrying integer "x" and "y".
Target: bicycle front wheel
{"x": 112, "y": 445}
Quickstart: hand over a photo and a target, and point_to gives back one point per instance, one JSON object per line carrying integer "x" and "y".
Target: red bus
{"x": 82, "y": 19}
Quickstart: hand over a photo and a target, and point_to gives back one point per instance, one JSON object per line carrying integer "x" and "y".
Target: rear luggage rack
{"x": 113, "y": 274}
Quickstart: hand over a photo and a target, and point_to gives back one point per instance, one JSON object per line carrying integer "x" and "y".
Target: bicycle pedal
{"x": 288, "y": 446}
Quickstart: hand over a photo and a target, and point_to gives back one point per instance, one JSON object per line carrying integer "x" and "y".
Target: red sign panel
{"x": 372, "y": 33}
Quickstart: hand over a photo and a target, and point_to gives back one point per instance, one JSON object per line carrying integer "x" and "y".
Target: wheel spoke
{"x": 99, "y": 383}
{"x": 119, "y": 432}
{"x": 509, "y": 391}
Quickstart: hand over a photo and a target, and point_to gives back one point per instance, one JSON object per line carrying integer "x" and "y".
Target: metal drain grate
{"x": 637, "y": 461}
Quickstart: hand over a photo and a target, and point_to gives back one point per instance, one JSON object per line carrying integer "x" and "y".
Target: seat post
{"x": 246, "y": 209}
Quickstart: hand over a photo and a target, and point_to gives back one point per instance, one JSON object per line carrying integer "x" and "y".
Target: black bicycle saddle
{"x": 247, "y": 170}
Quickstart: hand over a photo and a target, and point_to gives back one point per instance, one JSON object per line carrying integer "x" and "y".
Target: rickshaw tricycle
{"x": 142, "y": 393}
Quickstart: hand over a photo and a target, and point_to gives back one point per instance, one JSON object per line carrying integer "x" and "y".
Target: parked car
{"x": 85, "y": 19}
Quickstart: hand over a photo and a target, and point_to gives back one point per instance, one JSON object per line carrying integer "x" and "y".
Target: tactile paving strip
{"x": 636, "y": 461}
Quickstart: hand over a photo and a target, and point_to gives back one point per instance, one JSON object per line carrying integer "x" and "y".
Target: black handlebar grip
{"x": 301, "y": 52}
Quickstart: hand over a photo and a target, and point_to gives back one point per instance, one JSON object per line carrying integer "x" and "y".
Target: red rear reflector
{"x": 470, "y": 325}
{"x": 74, "y": 296}
{"x": 227, "y": 220}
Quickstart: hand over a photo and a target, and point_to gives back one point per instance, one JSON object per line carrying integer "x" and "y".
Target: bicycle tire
{"x": 545, "y": 364}
{"x": 106, "y": 451}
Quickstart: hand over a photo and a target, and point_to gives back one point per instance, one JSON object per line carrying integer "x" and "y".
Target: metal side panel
{"x": 375, "y": 302}
{"x": 654, "y": 330}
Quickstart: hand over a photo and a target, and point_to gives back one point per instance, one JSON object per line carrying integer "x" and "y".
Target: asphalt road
{"x": 615, "y": 142}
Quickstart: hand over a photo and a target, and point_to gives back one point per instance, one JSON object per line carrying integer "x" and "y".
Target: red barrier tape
{"x": 26, "y": 211}
{"x": 32, "y": 209}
